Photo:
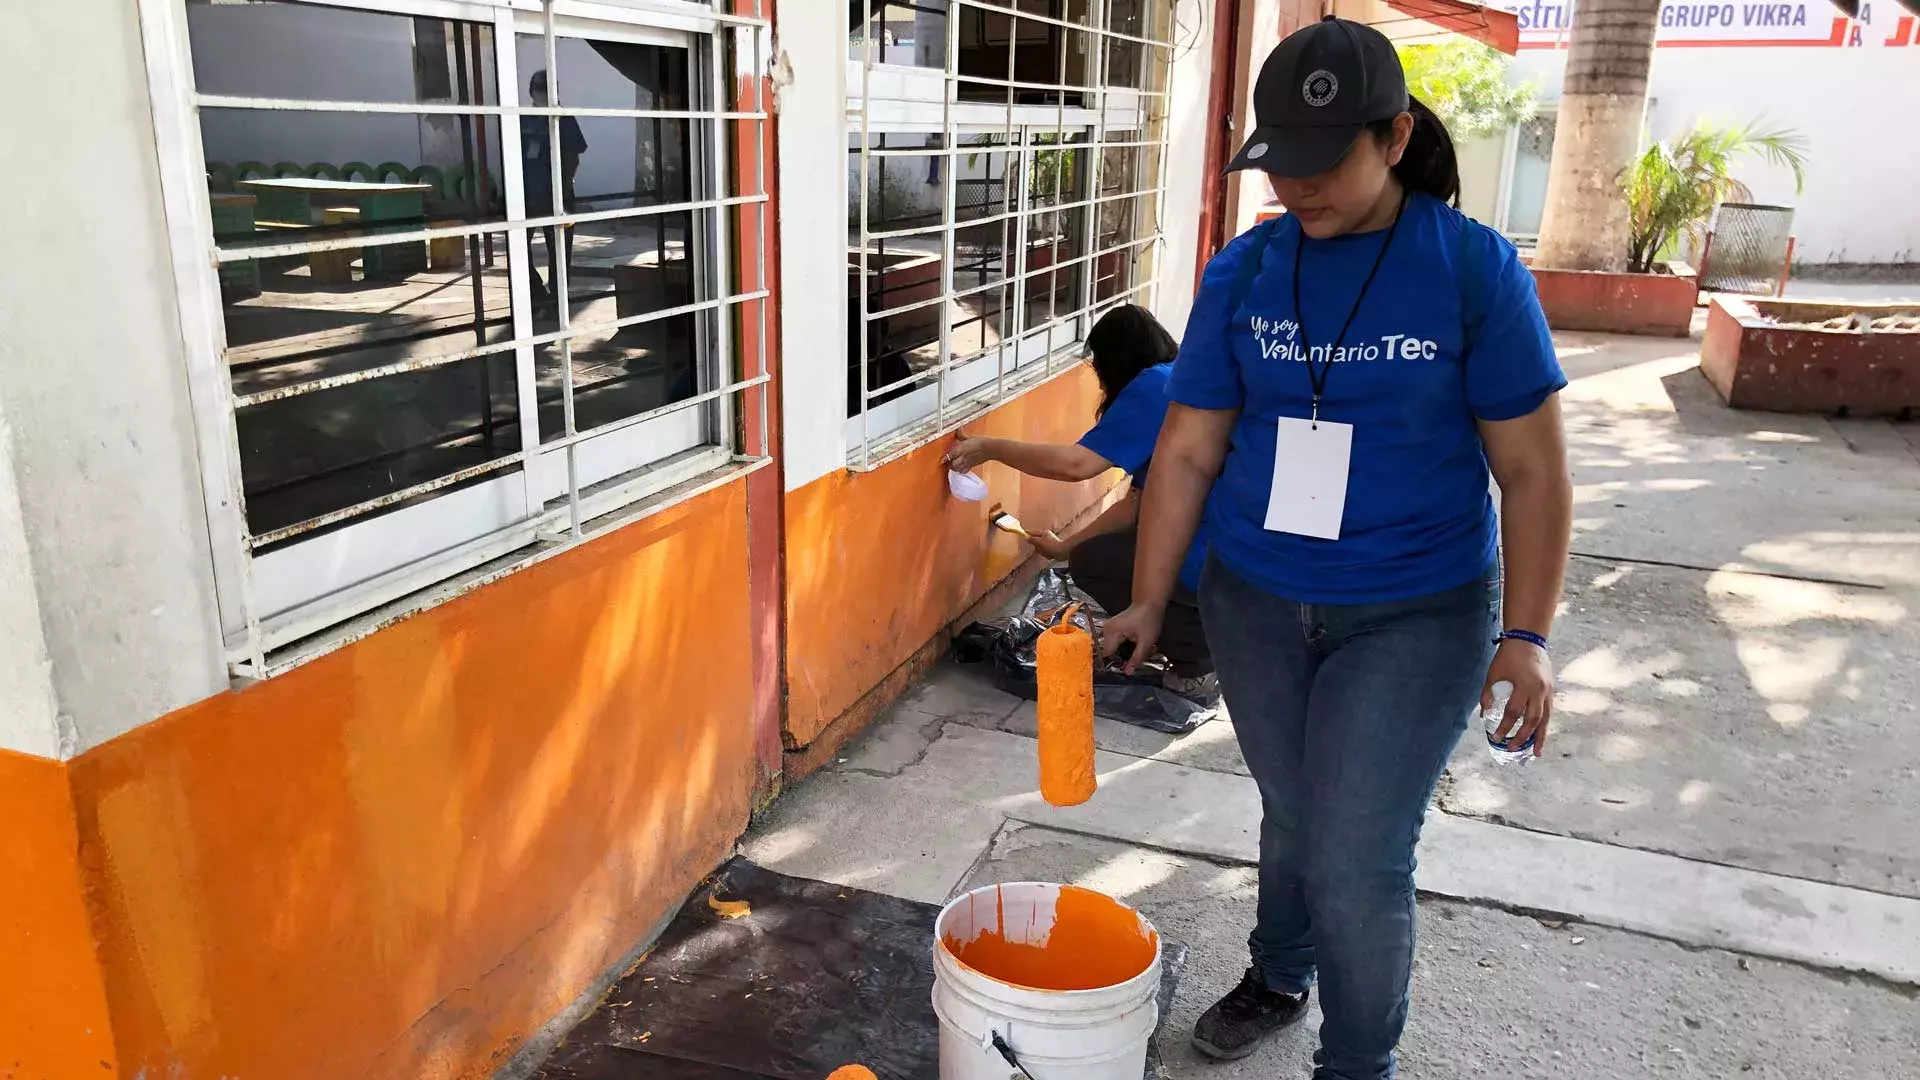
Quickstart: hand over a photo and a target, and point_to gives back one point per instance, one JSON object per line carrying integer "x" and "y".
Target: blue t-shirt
{"x": 1125, "y": 435}
{"x": 1450, "y": 332}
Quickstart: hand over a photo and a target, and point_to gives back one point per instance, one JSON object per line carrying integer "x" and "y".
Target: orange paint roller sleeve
{"x": 1064, "y": 657}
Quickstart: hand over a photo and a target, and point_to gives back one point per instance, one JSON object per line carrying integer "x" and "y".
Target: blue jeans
{"x": 1346, "y": 716}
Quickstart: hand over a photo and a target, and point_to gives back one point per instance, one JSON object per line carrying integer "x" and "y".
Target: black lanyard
{"x": 1317, "y": 377}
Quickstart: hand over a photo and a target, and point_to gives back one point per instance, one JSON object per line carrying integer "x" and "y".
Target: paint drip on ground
{"x": 1094, "y": 942}
{"x": 729, "y": 909}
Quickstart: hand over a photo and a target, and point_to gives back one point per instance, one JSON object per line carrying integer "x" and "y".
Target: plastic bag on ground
{"x": 1006, "y": 646}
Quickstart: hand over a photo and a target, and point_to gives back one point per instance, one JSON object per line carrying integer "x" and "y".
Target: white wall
{"x": 813, "y": 239}
{"x": 1186, "y": 162}
{"x": 93, "y": 378}
{"x": 1480, "y": 177}
{"x": 1851, "y": 103}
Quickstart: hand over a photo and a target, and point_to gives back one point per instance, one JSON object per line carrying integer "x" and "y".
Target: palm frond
{"x": 1674, "y": 186}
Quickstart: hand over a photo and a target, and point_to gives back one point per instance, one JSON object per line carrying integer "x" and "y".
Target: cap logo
{"x": 1256, "y": 151}
{"x": 1320, "y": 88}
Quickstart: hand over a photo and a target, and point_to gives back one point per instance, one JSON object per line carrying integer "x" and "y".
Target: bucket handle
{"x": 1006, "y": 1051}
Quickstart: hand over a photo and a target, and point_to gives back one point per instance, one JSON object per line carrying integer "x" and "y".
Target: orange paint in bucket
{"x": 1094, "y": 942}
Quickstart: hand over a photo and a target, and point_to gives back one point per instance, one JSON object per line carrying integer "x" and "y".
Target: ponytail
{"x": 1428, "y": 164}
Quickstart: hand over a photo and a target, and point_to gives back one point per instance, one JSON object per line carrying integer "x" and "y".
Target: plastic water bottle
{"x": 1496, "y": 740}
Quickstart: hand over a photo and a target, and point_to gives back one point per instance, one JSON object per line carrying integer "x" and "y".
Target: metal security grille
{"x": 1748, "y": 249}
{"x": 1005, "y": 169}
{"x": 402, "y": 396}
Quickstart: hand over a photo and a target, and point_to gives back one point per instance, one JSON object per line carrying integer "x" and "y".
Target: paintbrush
{"x": 1006, "y": 522}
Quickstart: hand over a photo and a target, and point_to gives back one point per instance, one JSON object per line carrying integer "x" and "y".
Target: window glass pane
{"x": 1127, "y": 61}
{"x": 1056, "y": 177}
{"x": 981, "y": 320}
{"x": 903, "y": 346}
{"x": 1121, "y": 222}
{"x": 982, "y": 171}
{"x": 608, "y": 163}
{"x": 308, "y": 454}
{"x": 268, "y": 48}
{"x": 997, "y": 48}
{"x": 620, "y": 373}
{"x": 903, "y": 192}
{"x": 910, "y": 34}
{"x": 603, "y": 74}
{"x": 1120, "y": 166}
{"x": 621, "y": 269}
{"x": 627, "y": 267}
{"x": 279, "y": 177}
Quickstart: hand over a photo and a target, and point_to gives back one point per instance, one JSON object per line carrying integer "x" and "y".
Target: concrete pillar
{"x": 28, "y": 708}
{"x": 1602, "y": 106}
{"x": 102, "y": 495}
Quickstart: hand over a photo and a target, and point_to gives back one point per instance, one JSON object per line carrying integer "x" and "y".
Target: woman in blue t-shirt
{"x": 1132, "y": 356}
{"x": 1353, "y": 375}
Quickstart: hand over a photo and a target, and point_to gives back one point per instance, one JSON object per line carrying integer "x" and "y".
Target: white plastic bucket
{"x": 1089, "y": 1032}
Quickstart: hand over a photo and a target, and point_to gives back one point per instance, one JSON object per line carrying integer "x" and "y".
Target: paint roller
{"x": 1064, "y": 667}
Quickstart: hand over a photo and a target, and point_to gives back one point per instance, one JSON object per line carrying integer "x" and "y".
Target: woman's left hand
{"x": 1528, "y": 667}
{"x": 968, "y": 452}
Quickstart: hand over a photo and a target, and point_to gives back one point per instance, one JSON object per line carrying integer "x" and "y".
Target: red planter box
{"x": 1658, "y": 304}
{"x": 1754, "y": 362}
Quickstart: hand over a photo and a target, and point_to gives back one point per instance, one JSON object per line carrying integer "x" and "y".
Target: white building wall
{"x": 1848, "y": 101}
{"x": 812, "y": 47}
{"x": 93, "y": 379}
{"x": 1186, "y": 160}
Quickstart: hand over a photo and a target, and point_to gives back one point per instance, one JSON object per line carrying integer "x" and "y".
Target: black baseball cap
{"x": 1318, "y": 90}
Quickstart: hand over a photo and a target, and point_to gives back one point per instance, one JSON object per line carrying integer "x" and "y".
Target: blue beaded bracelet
{"x": 1527, "y": 636}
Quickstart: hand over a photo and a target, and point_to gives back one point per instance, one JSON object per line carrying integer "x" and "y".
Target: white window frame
{"x": 887, "y": 98}
{"x": 281, "y": 607}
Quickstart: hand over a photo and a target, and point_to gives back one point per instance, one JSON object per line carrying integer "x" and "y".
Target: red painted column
{"x": 758, "y": 228}
{"x": 1213, "y": 187}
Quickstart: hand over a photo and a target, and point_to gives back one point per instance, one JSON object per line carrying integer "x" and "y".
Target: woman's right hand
{"x": 1140, "y": 625}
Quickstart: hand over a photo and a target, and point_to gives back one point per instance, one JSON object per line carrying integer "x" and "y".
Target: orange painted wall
{"x": 53, "y": 1005}
{"x": 398, "y": 860}
{"x": 878, "y": 563}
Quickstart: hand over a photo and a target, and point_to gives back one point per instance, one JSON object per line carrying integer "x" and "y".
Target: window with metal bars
{"x": 476, "y": 284}
{"x": 1004, "y": 172}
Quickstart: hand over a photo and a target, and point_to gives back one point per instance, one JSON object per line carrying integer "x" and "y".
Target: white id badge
{"x": 1309, "y": 478}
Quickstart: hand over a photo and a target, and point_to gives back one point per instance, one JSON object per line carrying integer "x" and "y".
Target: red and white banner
{"x": 1734, "y": 24}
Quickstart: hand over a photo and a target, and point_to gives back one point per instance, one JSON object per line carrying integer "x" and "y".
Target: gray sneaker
{"x": 1193, "y": 687}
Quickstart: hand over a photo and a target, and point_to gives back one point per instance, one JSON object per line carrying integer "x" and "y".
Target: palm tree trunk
{"x": 1602, "y": 107}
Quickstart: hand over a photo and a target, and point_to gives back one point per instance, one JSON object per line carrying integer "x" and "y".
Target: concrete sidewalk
{"x": 1716, "y": 874}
